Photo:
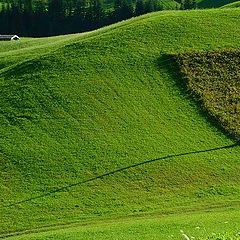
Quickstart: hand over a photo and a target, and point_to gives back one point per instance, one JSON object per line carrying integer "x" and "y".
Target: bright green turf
{"x": 232, "y": 5}
{"x": 109, "y": 100}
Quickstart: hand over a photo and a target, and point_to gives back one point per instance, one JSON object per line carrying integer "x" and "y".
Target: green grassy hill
{"x": 213, "y": 3}
{"x": 232, "y": 5}
{"x": 100, "y": 126}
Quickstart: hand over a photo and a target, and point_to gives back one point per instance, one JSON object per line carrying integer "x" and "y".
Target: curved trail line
{"x": 66, "y": 188}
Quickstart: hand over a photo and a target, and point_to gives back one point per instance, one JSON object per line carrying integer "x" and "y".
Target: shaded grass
{"x": 232, "y": 5}
{"x": 213, "y": 3}
{"x": 214, "y": 79}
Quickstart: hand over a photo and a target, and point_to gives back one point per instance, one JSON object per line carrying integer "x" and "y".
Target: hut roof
{"x": 9, "y": 37}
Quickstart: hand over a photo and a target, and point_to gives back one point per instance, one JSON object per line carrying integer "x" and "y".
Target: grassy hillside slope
{"x": 15, "y": 52}
{"x": 214, "y": 3}
{"x": 232, "y": 5}
{"x": 109, "y": 101}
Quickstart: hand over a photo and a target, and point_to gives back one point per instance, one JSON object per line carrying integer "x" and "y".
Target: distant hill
{"x": 232, "y": 5}
{"x": 213, "y": 3}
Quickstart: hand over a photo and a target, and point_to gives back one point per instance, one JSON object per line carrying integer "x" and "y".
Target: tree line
{"x": 38, "y": 18}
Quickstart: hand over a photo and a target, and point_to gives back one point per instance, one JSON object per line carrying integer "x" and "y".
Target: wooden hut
{"x": 8, "y": 37}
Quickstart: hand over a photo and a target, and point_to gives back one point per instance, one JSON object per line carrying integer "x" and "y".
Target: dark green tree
{"x": 79, "y": 16}
{"x": 56, "y": 9}
{"x": 123, "y": 9}
{"x": 188, "y": 4}
{"x": 28, "y": 6}
{"x": 98, "y": 11}
{"x": 150, "y": 5}
{"x": 140, "y": 8}
{"x": 127, "y": 9}
{"x": 41, "y": 20}
{"x": 80, "y": 8}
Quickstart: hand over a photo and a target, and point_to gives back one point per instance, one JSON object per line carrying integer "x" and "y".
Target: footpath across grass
{"x": 222, "y": 224}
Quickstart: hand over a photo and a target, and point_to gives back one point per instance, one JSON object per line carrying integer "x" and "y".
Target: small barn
{"x": 8, "y": 37}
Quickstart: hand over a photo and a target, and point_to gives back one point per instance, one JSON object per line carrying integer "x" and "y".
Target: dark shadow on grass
{"x": 66, "y": 188}
{"x": 168, "y": 62}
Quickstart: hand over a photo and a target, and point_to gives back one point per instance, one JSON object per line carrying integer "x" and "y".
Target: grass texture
{"x": 100, "y": 125}
{"x": 201, "y": 226}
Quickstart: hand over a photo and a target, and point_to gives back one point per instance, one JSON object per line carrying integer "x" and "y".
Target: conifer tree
{"x": 127, "y": 9}
{"x": 140, "y": 9}
{"x": 189, "y": 4}
{"x": 98, "y": 14}
{"x": 56, "y": 9}
{"x": 150, "y": 6}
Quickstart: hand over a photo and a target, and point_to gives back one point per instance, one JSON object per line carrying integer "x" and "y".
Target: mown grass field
{"x": 100, "y": 126}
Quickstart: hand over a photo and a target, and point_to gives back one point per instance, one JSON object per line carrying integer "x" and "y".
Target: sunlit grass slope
{"x": 217, "y": 225}
{"x": 14, "y": 52}
{"x": 107, "y": 101}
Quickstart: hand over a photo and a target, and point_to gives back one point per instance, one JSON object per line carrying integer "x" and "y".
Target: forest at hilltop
{"x": 39, "y": 18}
